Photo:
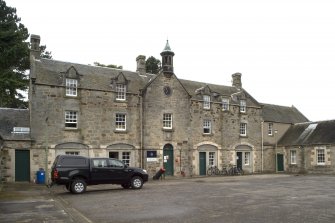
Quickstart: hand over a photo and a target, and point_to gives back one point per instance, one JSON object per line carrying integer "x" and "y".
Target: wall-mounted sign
{"x": 152, "y": 156}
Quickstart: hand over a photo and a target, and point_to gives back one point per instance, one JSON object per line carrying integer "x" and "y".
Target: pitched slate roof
{"x": 93, "y": 77}
{"x": 310, "y": 133}
{"x": 282, "y": 114}
{"x": 10, "y": 118}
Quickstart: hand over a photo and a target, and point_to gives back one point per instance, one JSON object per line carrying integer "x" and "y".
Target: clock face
{"x": 167, "y": 90}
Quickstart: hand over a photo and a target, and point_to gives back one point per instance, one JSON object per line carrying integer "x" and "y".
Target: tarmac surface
{"x": 28, "y": 202}
{"x": 254, "y": 198}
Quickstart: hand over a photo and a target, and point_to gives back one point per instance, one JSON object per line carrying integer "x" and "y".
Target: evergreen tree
{"x": 152, "y": 65}
{"x": 14, "y": 59}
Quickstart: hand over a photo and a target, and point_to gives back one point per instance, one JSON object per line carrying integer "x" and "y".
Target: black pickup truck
{"x": 76, "y": 172}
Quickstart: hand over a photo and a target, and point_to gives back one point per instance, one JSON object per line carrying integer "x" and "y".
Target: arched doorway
{"x": 168, "y": 159}
{"x": 208, "y": 156}
{"x": 244, "y": 158}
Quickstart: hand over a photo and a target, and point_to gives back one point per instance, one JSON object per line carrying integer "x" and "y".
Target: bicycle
{"x": 213, "y": 170}
{"x": 234, "y": 170}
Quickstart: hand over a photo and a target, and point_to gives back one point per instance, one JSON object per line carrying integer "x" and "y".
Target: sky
{"x": 285, "y": 50}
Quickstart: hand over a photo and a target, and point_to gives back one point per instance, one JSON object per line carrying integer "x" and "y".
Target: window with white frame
{"x": 121, "y": 92}
{"x": 71, "y": 87}
{"x": 293, "y": 156}
{"x": 120, "y": 122}
{"x": 167, "y": 121}
{"x": 243, "y": 106}
{"x": 126, "y": 158}
{"x": 211, "y": 158}
{"x": 225, "y": 104}
{"x": 72, "y": 153}
{"x": 243, "y": 129}
{"x": 320, "y": 156}
{"x": 22, "y": 130}
{"x": 207, "y": 127}
{"x": 207, "y": 101}
{"x": 247, "y": 158}
{"x": 71, "y": 119}
{"x": 270, "y": 129}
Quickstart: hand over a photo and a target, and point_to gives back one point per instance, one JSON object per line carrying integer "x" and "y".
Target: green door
{"x": 202, "y": 163}
{"x": 280, "y": 162}
{"x": 168, "y": 159}
{"x": 22, "y": 165}
{"x": 239, "y": 160}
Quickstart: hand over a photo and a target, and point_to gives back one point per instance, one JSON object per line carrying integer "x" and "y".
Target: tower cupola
{"x": 167, "y": 60}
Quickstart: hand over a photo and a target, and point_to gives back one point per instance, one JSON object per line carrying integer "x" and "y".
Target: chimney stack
{"x": 35, "y": 46}
{"x": 141, "y": 65}
{"x": 236, "y": 82}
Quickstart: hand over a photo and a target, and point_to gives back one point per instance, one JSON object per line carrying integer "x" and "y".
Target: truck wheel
{"x": 136, "y": 182}
{"x": 126, "y": 185}
{"x": 78, "y": 186}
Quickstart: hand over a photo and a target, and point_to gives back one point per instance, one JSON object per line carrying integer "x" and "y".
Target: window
{"x": 100, "y": 163}
{"x": 72, "y": 153}
{"x": 211, "y": 158}
{"x": 293, "y": 155}
{"x": 126, "y": 158}
{"x": 207, "y": 101}
{"x": 167, "y": 121}
{"x": 243, "y": 129}
{"x": 73, "y": 161}
{"x": 225, "y": 104}
{"x": 71, "y": 87}
{"x": 71, "y": 119}
{"x": 320, "y": 155}
{"x": 247, "y": 158}
{"x": 207, "y": 127}
{"x": 22, "y": 130}
{"x": 270, "y": 129}
{"x": 120, "y": 122}
{"x": 115, "y": 163}
{"x": 121, "y": 92}
{"x": 243, "y": 106}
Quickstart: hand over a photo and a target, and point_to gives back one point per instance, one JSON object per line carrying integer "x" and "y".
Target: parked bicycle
{"x": 234, "y": 170}
{"x": 213, "y": 170}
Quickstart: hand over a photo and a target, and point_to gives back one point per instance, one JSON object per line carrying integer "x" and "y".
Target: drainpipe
{"x": 141, "y": 131}
{"x": 262, "y": 146}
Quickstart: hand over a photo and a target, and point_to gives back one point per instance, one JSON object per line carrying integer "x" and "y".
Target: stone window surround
{"x": 207, "y": 127}
{"x": 71, "y": 118}
{"x": 243, "y": 129}
{"x": 320, "y": 154}
{"x": 225, "y": 104}
{"x": 243, "y": 106}
{"x": 207, "y": 102}
{"x": 293, "y": 157}
{"x": 120, "y": 122}
{"x": 121, "y": 92}
{"x": 167, "y": 121}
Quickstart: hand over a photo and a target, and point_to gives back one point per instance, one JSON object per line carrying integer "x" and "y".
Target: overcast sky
{"x": 284, "y": 49}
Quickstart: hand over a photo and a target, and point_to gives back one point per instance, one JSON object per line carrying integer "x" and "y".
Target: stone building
{"x": 276, "y": 121}
{"x": 309, "y": 147}
{"x": 15, "y": 145}
{"x": 146, "y": 120}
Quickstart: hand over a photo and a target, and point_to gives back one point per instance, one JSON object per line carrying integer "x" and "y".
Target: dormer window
{"x": 121, "y": 92}
{"x": 243, "y": 106}
{"x": 225, "y": 104}
{"x": 21, "y": 130}
{"x": 71, "y": 87}
{"x": 207, "y": 101}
